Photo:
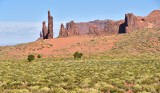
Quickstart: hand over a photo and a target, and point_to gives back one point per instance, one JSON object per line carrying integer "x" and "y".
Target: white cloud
{"x": 21, "y": 32}
{"x": 19, "y": 26}
{"x": 18, "y": 32}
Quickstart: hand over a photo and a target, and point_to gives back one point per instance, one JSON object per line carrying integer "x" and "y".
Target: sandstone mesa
{"x": 110, "y": 27}
{"x": 102, "y": 27}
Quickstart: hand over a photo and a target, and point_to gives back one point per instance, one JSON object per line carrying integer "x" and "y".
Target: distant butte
{"x": 110, "y": 27}
{"x": 102, "y": 27}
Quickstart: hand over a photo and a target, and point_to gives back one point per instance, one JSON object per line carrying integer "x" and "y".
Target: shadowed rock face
{"x": 113, "y": 27}
{"x": 130, "y": 22}
{"x": 110, "y": 27}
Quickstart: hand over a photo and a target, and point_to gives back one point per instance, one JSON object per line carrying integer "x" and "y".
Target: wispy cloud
{"x": 19, "y": 26}
{"x": 21, "y": 32}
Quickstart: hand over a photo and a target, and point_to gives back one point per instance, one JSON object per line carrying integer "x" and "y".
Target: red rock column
{"x": 44, "y": 30}
{"x": 50, "y": 26}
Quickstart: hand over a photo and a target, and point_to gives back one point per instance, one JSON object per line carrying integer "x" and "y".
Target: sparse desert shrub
{"x": 51, "y": 45}
{"x": 31, "y": 58}
{"x": 19, "y": 91}
{"x": 77, "y": 55}
{"x": 34, "y": 88}
{"x": 103, "y": 86}
{"x": 39, "y": 56}
{"x": 45, "y": 89}
{"x": 59, "y": 90}
{"x": 80, "y": 77}
{"x": 137, "y": 88}
{"x": 92, "y": 40}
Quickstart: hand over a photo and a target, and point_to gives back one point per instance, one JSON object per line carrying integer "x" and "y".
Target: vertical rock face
{"x": 93, "y": 30}
{"x": 44, "y": 30}
{"x": 63, "y": 32}
{"x": 50, "y": 26}
{"x": 110, "y": 27}
{"x": 102, "y": 27}
{"x": 47, "y": 33}
{"x": 71, "y": 29}
{"x": 130, "y": 22}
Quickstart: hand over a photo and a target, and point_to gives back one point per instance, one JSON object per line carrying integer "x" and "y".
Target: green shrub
{"x": 39, "y": 56}
{"x": 77, "y": 55}
{"x": 45, "y": 89}
{"x": 137, "y": 88}
{"x": 31, "y": 58}
{"x": 103, "y": 87}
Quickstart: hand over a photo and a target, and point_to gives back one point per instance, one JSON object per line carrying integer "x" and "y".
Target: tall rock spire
{"x": 50, "y": 26}
{"x": 44, "y": 30}
{"x": 47, "y": 33}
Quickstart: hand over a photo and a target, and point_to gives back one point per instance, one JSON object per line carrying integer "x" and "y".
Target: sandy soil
{"x": 63, "y": 46}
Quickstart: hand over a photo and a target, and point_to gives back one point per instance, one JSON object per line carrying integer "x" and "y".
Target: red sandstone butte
{"x": 110, "y": 27}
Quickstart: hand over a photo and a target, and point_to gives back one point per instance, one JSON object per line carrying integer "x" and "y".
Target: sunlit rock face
{"x": 110, "y": 27}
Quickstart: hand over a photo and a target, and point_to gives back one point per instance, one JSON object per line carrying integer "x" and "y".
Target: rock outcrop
{"x": 93, "y": 30}
{"x": 47, "y": 33}
{"x": 50, "y": 26}
{"x": 110, "y": 27}
{"x": 130, "y": 22}
{"x": 63, "y": 32}
{"x": 72, "y": 29}
{"x": 113, "y": 27}
{"x": 44, "y": 30}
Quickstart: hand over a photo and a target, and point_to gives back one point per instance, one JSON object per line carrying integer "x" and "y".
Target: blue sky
{"x": 20, "y": 20}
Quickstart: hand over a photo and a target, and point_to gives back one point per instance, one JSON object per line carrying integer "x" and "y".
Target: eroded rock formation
{"x": 47, "y": 33}
{"x": 110, "y": 27}
{"x": 50, "y": 26}
{"x": 44, "y": 30}
{"x": 97, "y": 27}
{"x": 72, "y": 29}
{"x": 63, "y": 32}
{"x": 130, "y": 22}
{"x": 93, "y": 30}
